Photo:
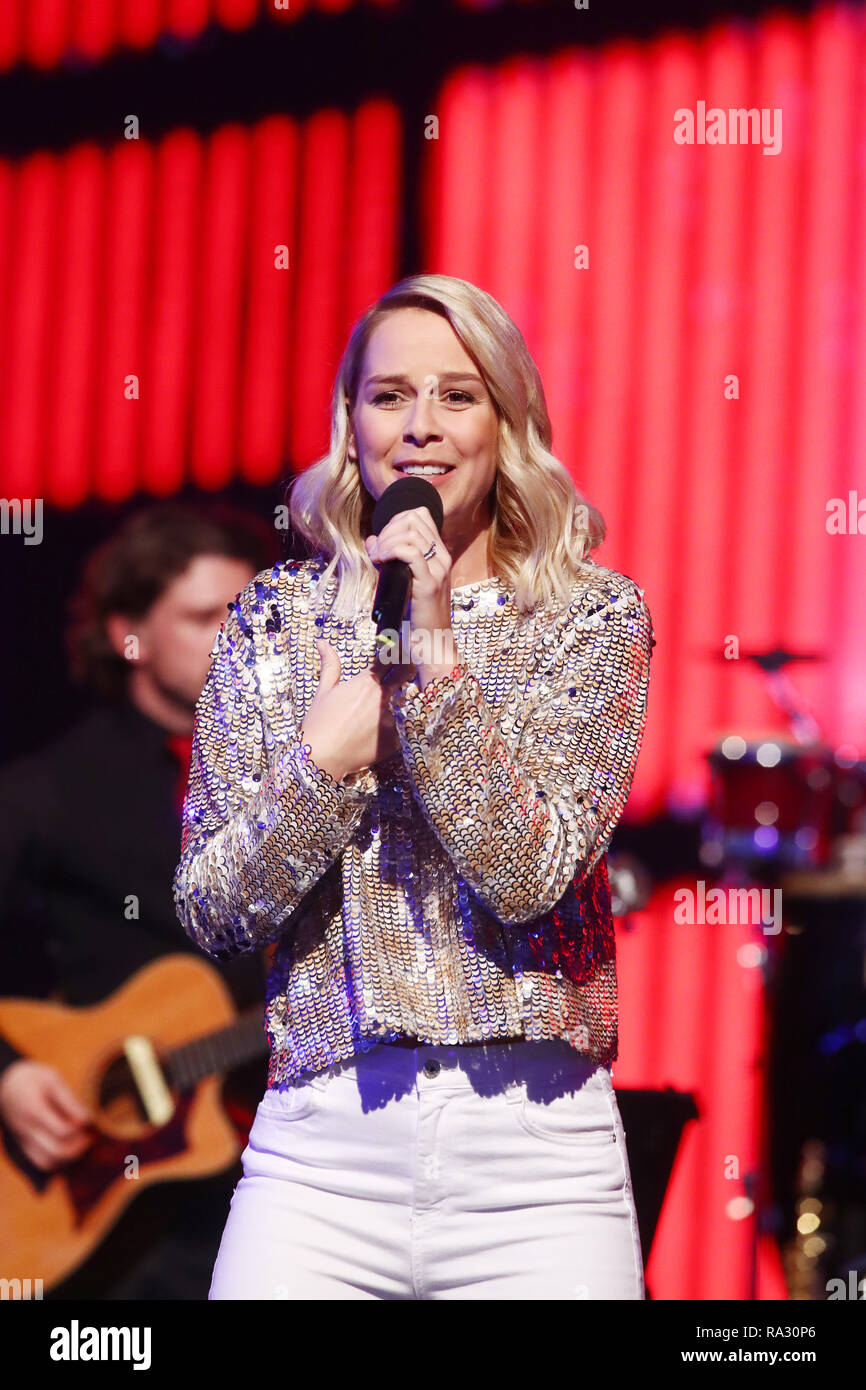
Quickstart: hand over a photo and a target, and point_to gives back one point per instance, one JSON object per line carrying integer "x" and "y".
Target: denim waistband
{"x": 500, "y": 1064}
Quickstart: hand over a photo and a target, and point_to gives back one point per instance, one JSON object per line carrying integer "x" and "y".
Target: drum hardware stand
{"x": 805, "y": 731}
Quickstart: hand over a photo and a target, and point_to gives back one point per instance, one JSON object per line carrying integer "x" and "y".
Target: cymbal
{"x": 832, "y": 882}
{"x": 772, "y": 660}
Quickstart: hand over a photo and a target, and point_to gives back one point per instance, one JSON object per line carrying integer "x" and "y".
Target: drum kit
{"x": 788, "y": 802}
{"x": 790, "y": 810}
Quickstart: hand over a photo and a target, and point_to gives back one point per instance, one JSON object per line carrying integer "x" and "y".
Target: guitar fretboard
{"x": 219, "y": 1051}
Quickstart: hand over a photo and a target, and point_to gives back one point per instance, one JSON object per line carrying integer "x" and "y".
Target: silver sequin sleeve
{"x": 261, "y": 821}
{"x": 525, "y": 802}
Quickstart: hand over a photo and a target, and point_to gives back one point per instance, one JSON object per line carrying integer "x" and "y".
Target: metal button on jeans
{"x": 432, "y": 1068}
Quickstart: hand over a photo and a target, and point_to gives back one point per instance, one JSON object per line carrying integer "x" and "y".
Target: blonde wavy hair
{"x": 542, "y": 529}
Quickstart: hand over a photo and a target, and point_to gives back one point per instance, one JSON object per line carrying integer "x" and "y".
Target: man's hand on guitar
{"x": 44, "y": 1114}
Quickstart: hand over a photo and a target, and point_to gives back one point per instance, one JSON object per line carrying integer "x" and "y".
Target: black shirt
{"x": 88, "y": 825}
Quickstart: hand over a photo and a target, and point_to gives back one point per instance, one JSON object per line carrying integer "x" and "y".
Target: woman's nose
{"x": 421, "y": 423}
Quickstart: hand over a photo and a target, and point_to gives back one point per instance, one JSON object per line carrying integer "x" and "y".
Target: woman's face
{"x": 422, "y": 398}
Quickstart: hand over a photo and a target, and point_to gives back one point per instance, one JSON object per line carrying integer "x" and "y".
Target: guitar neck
{"x": 220, "y": 1051}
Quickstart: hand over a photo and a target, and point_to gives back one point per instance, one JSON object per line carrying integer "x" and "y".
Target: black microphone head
{"x": 405, "y": 495}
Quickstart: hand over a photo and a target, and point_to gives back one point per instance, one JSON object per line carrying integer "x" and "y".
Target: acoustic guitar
{"x": 149, "y": 1062}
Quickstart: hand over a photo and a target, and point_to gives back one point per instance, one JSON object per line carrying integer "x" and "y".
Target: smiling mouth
{"x": 409, "y": 469}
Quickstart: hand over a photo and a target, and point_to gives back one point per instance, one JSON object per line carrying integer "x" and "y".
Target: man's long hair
{"x": 134, "y": 567}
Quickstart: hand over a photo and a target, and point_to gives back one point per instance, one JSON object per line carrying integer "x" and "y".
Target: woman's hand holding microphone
{"x": 349, "y": 724}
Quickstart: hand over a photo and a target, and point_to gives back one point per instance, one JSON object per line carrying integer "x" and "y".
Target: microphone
{"x": 395, "y": 576}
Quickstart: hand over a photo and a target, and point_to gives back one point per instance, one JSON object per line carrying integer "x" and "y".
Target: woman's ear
{"x": 350, "y": 447}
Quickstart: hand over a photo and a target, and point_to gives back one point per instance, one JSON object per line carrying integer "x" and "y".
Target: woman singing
{"x": 426, "y": 844}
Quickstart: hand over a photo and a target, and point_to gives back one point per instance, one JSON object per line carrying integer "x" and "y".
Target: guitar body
{"x": 50, "y": 1222}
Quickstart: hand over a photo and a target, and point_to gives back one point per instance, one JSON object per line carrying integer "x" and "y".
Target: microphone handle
{"x": 391, "y": 601}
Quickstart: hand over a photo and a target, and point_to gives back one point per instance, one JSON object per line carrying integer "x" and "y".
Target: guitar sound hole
{"x": 120, "y": 1107}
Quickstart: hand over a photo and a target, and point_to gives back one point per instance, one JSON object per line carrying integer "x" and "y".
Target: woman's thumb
{"x": 330, "y": 659}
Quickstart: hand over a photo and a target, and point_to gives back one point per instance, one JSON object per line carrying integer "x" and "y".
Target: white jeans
{"x": 441, "y": 1172}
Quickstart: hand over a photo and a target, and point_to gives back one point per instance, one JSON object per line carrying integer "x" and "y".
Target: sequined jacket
{"x": 456, "y": 891}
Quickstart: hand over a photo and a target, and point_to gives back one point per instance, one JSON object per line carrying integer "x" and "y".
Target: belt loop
{"x": 514, "y": 1089}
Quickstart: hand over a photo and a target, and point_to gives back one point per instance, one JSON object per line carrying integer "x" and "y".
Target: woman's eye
{"x": 455, "y": 392}
{"x": 389, "y": 397}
